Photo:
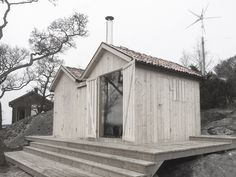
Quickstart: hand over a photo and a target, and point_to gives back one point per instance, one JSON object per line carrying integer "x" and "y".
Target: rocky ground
{"x": 214, "y": 122}
{"x": 12, "y": 138}
{"x": 223, "y": 164}
{"x": 213, "y": 165}
{"x": 219, "y": 122}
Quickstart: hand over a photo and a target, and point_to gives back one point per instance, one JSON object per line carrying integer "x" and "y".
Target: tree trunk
{"x": 0, "y": 115}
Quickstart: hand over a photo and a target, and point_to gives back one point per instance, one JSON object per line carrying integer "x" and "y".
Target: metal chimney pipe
{"x": 109, "y": 29}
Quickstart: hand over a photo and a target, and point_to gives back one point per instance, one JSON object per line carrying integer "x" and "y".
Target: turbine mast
{"x": 203, "y": 57}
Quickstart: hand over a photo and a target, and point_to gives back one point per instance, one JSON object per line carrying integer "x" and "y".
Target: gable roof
{"x": 76, "y": 72}
{"x": 29, "y": 95}
{"x": 99, "y": 52}
{"x": 73, "y": 73}
{"x": 164, "y": 64}
{"x": 128, "y": 55}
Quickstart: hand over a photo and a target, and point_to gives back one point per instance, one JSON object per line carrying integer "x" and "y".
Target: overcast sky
{"x": 154, "y": 27}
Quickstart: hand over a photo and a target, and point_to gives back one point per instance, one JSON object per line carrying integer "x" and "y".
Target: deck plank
{"x": 46, "y": 167}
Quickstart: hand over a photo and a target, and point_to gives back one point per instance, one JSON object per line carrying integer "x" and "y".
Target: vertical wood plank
{"x": 128, "y": 102}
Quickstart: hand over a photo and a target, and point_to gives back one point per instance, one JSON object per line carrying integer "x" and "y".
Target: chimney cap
{"x": 109, "y": 18}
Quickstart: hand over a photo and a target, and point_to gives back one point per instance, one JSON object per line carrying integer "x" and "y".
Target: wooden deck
{"x": 110, "y": 157}
{"x": 165, "y": 151}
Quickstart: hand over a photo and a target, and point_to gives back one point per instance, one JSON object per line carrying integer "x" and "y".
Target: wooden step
{"x": 127, "y": 150}
{"x": 41, "y": 167}
{"x": 153, "y": 153}
{"x": 109, "y": 159}
{"x": 87, "y": 165}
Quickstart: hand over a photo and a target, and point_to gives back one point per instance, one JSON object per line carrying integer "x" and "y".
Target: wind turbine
{"x": 201, "y": 18}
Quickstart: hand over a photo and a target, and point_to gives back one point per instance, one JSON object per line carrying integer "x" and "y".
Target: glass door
{"x": 111, "y": 105}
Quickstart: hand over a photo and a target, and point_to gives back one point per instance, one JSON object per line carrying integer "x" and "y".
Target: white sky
{"x": 154, "y": 27}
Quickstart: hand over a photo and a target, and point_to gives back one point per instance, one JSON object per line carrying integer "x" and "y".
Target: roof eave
{"x": 194, "y": 76}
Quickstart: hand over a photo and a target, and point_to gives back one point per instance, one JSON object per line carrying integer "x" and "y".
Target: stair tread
{"x": 46, "y": 167}
{"x": 123, "y": 146}
{"x": 147, "y": 149}
{"x": 92, "y": 163}
{"x": 100, "y": 154}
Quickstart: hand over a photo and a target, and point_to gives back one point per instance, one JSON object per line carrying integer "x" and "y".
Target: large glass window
{"x": 111, "y": 104}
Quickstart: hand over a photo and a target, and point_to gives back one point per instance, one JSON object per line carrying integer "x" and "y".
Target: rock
{"x": 217, "y": 165}
{"x": 220, "y": 131}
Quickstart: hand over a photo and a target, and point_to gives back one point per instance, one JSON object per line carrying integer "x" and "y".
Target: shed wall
{"x": 107, "y": 63}
{"x": 69, "y": 109}
{"x": 167, "y": 107}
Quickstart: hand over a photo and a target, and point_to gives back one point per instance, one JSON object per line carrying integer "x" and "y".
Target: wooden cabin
{"x": 129, "y": 96}
{"x": 27, "y": 105}
{"x": 123, "y": 116}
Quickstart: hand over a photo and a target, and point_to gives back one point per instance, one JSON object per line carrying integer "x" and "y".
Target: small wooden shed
{"x": 127, "y": 95}
{"x": 26, "y": 105}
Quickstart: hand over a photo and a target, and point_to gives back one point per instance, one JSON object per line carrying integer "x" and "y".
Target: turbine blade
{"x": 206, "y": 9}
{"x": 193, "y": 23}
{"x": 194, "y": 14}
{"x": 211, "y": 17}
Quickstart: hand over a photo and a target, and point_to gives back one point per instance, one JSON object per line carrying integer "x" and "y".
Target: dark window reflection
{"x": 111, "y": 104}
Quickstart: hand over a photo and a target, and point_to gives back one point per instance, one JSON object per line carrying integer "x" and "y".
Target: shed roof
{"x": 30, "y": 95}
{"x": 76, "y": 72}
{"x": 147, "y": 59}
{"x": 73, "y": 73}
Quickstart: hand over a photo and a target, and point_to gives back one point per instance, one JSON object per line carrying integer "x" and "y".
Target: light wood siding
{"x": 107, "y": 63}
{"x": 167, "y": 107}
{"x": 92, "y": 111}
{"x": 81, "y": 113}
{"x": 128, "y": 102}
{"x": 69, "y": 109}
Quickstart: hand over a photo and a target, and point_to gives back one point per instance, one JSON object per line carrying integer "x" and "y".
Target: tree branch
{"x": 44, "y": 45}
{"x": 9, "y": 4}
{"x": 5, "y": 18}
{"x": 23, "y": 2}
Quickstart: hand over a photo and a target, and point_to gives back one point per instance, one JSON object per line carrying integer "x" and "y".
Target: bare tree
{"x": 10, "y": 58}
{"x": 185, "y": 60}
{"x": 45, "y": 70}
{"x": 194, "y": 58}
{"x": 56, "y": 39}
